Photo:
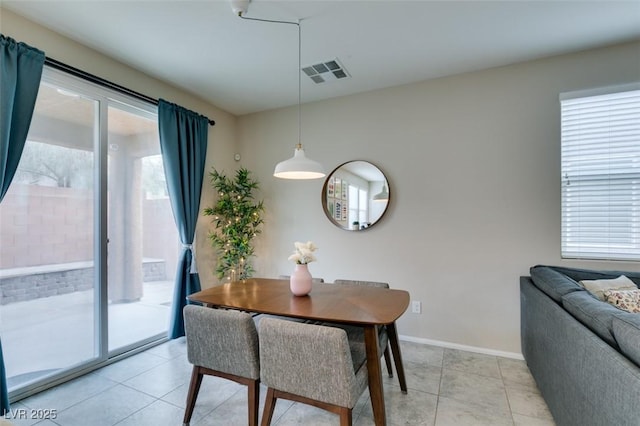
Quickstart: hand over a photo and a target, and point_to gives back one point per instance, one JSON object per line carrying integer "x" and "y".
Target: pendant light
{"x": 298, "y": 166}
{"x": 383, "y": 195}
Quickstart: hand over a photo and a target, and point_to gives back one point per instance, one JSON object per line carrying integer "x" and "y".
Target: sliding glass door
{"x": 143, "y": 242}
{"x": 87, "y": 239}
{"x": 47, "y": 222}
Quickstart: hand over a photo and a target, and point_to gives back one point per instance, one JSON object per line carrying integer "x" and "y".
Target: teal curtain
{"x": 4, "y": 392}
{"x": 183, "y": 142}
{"x": 20, "y": 73}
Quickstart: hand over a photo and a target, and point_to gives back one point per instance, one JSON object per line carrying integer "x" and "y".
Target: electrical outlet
{"x": 416, "y": 307}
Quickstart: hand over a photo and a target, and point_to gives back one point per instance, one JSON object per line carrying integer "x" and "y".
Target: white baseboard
{"x": 512, "y": 355}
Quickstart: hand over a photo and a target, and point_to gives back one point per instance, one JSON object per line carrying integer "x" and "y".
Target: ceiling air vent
{"x": 326, "y": 71}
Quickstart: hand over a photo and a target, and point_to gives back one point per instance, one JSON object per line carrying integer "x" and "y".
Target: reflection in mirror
{"x": 355, "y": 195}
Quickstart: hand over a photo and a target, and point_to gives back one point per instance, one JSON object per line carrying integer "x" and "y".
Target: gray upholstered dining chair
{"x": 365, "y": 283}
{"x": 312, "y": 364}
{"x": 356, "y": 334}
{"x": 222, "y": 343}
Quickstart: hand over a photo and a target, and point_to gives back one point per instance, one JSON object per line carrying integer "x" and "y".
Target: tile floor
{"x": 446, "y": 387}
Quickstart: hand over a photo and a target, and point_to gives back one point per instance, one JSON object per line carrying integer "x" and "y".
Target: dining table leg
{"x": 375, "y": 375}
{"x": 392, "y": 333}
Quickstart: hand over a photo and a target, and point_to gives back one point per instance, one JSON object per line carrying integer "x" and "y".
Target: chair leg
{"x": 346, "y": 418}
{"x": 269, "y": 406}
{"x": 194, "y": 388}
{"x": 387, "y": 360}
{"x": 253, "y": 395}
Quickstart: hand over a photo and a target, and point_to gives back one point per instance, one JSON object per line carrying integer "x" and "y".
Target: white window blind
{"x": 601, "y": 175}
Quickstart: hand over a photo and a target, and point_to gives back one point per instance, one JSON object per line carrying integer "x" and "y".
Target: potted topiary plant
{"x": 237, "y": 219}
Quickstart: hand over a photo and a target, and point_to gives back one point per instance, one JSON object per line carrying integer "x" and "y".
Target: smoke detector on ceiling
{"x": 322, "y": 72}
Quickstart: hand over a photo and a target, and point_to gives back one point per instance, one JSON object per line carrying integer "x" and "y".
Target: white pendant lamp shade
{"x": 383, "y": 195}
{"x": 299, "y": 167}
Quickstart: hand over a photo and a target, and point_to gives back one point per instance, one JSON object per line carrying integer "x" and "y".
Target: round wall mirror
{"x": 355, "y": 196}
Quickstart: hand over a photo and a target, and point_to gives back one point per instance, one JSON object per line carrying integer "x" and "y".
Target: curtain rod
{"x": 102, "y": 82}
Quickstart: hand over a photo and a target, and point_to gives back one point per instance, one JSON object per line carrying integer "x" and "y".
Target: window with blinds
{"x": 600, "y": 170}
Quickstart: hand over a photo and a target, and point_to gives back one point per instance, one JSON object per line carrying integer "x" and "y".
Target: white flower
{"x": 303, "y": 253}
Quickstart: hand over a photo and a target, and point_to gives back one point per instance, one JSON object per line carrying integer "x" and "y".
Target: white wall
{"x": 473, "y": 164}
{"x": 222, "y": 136}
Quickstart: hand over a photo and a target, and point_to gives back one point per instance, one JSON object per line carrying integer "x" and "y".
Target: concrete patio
{"x": 41, "y": 336}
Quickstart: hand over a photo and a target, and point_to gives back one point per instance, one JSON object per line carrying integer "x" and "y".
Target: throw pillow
{"x": 598, "y": 287}
{"x": 627, "y": 300}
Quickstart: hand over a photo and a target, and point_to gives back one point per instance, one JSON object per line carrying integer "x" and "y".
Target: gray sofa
{"x": 583, "y": 353}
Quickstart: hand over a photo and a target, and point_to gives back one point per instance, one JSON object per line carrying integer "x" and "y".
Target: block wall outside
{"x": 42, "y": 225}
{"x": 25, "y": 287}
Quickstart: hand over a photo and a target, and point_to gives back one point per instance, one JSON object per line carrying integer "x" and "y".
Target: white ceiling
{"x": 245, "y": 66}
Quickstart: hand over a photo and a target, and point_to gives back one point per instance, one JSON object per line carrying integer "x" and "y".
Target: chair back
{"x": 365, "y": 283}
{"x": 222, "y": 340}
{"x": 313, "y": 279}
{"x": 310, "y": 360}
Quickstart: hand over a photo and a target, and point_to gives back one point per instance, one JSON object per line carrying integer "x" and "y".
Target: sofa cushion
{"x": 579, "y": 274}
{"x": 598, "y": 287}
{"x": 626, "y": 329}
{"x": 555, "y": 284}
{"x": 627, "y": 300}
{"x": 593, "y": 313}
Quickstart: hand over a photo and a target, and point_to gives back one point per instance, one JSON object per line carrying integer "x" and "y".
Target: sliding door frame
{"x": 104, "y": 97}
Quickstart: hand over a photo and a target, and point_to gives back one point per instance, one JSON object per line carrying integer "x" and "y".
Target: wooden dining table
{"x": 367, "y": 307}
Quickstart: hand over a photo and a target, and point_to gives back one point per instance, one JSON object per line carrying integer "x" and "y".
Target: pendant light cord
{"x": 299, "y": 68}
{"x": 299, "y": 87}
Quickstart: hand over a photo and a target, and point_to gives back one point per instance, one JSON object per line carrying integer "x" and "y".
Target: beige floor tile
{"x": 520, "y": 420}
{"x": 473, "y": 388}
{"x": 453, "y": 412}
{"x": 413, "y": 408}
{"x": 157, "y": 413}
{"x": 423, "y": 378}
{"x": 214, "y": 391}
{"x": 422, "y": 354}
{"x": 105, "y": 409}
{"x": 469, "y": 362}
{"x": 515, "y": 373}
{"x": 528, "y": 403}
